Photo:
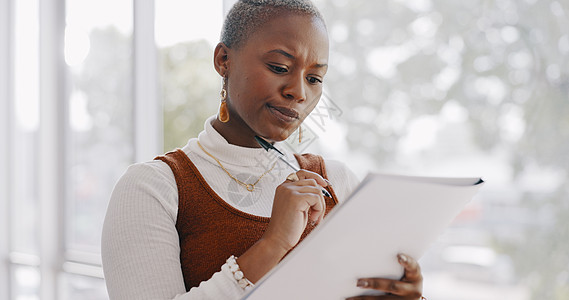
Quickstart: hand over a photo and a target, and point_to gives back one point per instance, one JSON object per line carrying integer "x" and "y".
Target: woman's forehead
{"x": 292, "y": 33}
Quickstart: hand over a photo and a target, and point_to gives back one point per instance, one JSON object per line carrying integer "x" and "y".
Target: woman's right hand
{"x": 296, "y": 204}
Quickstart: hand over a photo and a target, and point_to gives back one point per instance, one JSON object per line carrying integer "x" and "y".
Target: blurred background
{"x": 423, "y": 87}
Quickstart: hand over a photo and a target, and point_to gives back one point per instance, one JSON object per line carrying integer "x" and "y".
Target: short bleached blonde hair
{"x": 246, "y": 16}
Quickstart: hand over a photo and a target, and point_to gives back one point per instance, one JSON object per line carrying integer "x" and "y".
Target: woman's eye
{"x": 313, "y": 80}
{"x": 278, "y": 69}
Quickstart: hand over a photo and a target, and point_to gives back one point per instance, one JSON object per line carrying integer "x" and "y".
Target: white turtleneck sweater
{"x": 140, "y": 244}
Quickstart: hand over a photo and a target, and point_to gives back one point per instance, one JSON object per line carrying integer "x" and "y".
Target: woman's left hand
{"x": 410, "y": 287}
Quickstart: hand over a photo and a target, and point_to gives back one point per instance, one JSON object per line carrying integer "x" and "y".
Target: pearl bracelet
{"x": 238, "y": 275}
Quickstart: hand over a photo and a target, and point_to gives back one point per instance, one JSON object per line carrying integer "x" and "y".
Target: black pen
{"x": 268, "y": 146}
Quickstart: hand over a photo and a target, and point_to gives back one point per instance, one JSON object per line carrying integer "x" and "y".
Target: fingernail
{"x": 402, "y": 258}
{"x": 362, "y": 283}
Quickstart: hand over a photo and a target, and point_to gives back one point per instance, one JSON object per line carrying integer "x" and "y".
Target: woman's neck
{"x": 235, "y": 134}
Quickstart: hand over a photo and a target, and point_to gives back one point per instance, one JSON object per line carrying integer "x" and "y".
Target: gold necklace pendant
{"x": 249, "y": 186}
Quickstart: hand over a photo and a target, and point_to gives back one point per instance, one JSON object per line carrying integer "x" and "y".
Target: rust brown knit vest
{"x": 210, "y": 229}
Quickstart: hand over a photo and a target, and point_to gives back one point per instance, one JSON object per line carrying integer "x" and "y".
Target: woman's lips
{"x": 283, "y": 113}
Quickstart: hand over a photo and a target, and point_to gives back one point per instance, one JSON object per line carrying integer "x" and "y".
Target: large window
{"x": 430, "y": 87}
{"x": 99, "y": 131}
{"x": 98, "y": 55}
{"x": 69, "y": 124}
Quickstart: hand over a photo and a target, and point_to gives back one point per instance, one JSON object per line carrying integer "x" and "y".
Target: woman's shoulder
{"x": 147, "y": 184}
{"x": 339, "y": 170}
{"x": 153, "y": 171}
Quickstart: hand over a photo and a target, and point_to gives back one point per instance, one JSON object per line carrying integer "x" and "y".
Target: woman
{"x": 175, "y": 225}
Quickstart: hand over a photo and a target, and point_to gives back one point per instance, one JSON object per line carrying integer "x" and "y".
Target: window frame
{"x": 148, "y": 122}
{"x": 52, "y": 137}
{"x": 5, "y": 121}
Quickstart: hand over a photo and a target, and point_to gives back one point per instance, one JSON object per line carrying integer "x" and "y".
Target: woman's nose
{"x": 294, "y": 89}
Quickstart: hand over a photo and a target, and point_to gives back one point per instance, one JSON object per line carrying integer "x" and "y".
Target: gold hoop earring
{"x": 223, "y": 111}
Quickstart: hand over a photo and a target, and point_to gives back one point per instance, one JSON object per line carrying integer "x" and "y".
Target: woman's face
{"x": 275, "y": 77}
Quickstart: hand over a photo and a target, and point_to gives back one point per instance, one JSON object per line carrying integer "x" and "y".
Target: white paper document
{"x": 361, "y": 237}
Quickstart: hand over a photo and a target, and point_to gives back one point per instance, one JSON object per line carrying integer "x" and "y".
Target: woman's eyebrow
{"x": 290, "y": 56}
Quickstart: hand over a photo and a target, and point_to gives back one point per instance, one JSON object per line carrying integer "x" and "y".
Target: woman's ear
{"x": 221, "y": 59}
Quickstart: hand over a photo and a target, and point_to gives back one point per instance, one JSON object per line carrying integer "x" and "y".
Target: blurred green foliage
{"x": 190, "y": 90}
